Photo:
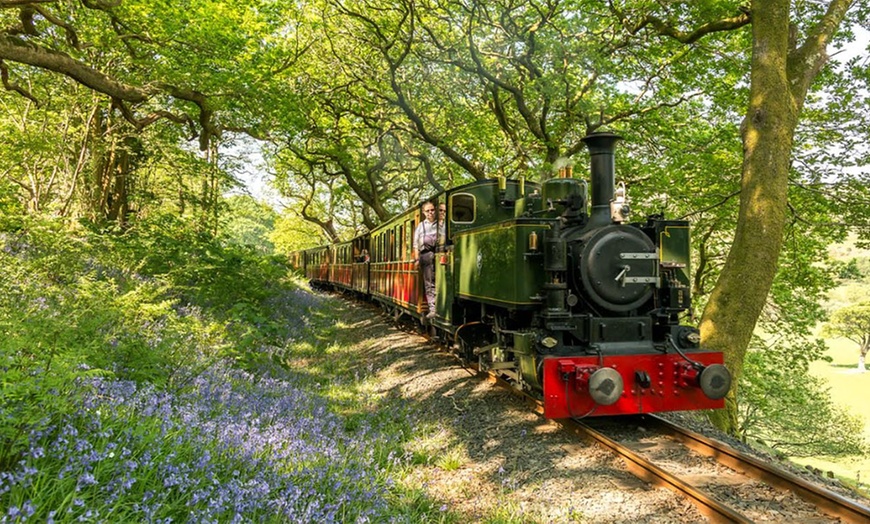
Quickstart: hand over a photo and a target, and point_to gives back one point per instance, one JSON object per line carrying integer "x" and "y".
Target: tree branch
{"x": 663, "y": 28}
{"x": 805, "y": 62}
{"x": 9, "y": 86}
{"x": 722, "y": 202}
{"x": 72, "y": 37}
{"x": 5, "y": 4}
{"x": 17, "y": 50}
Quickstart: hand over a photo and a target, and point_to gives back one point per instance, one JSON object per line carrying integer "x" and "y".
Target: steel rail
{"x": 637, "y": 465}
{"x": 642, "y": 468}
{"x": 827, "y": 501}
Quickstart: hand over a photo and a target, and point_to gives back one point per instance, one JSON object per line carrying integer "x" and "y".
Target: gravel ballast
{"x": 490, "y": 457}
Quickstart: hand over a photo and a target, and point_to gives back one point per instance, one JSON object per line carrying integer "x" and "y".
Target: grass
{"x": 848, "y": 389}
{"x": 452, "y": 459}
{"x": 848, "y": 386}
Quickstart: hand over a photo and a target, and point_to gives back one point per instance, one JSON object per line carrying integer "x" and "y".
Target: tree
{"x": 339, "y": 135}
{"x": 853, "y": 323}
{"x": 249, "y": 223}
{"x": 292, "y": 233}
{"x": 127, "y": 67}
{"x": 506, "y": 88}
{"x": 782, "y": 70}
{"x": 155, "y": 61}
{"x": 848, "y": 270}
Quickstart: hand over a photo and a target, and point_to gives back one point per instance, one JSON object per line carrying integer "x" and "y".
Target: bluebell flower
{"x": 280, "y": 436}
{"x": 86, "y": 479}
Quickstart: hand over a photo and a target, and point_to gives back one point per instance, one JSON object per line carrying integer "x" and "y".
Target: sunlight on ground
{"x": 849, "y": 388}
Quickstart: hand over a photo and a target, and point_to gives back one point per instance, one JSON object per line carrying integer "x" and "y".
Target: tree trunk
{"x": 116, "y": 195}
{"x": 780, "y": 78}
{"x": 768, "y": 127}
{"x": 116, "y": 150}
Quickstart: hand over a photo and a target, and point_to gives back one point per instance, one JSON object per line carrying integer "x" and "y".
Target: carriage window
{"x": 403, "y": 234}
{"x": 409, "y": 238}
{"x": 400, "y": 246}
{"x": 387, "y": 246}
{"x": 400, "y": 241}
{"x": 462, "y": 208}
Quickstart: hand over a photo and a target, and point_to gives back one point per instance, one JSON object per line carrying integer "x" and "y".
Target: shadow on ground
{"x": 488, "y": 455}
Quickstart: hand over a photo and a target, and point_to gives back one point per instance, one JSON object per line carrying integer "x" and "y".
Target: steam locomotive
{"x": 553, "y": 290}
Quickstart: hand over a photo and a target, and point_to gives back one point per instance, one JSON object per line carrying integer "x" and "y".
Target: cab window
{"x": 462, "y": 208}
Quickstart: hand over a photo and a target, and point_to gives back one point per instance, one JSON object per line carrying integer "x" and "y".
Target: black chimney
{"x": 601, "y": 147}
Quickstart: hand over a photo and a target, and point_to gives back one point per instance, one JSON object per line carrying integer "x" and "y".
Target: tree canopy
{"x": 737, "y": 116}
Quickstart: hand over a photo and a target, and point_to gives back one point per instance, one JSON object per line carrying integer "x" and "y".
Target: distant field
{"x": 849, "y": 389}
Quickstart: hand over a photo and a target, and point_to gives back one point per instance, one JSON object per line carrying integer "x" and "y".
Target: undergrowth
{"x": 144, "y": 379}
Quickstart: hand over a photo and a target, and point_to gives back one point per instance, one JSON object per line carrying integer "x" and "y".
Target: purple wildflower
{"x": 290, "y": 456}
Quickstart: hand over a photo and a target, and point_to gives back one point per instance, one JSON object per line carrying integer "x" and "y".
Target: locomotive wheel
{"x": 470, "y": 336}
{"x": 465, "y": 351}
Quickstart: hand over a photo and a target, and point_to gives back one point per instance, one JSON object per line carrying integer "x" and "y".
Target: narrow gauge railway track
{"x": 777, "y": 495}
{"x": 826, "y": 500}
{"x": 771, "y": 486}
